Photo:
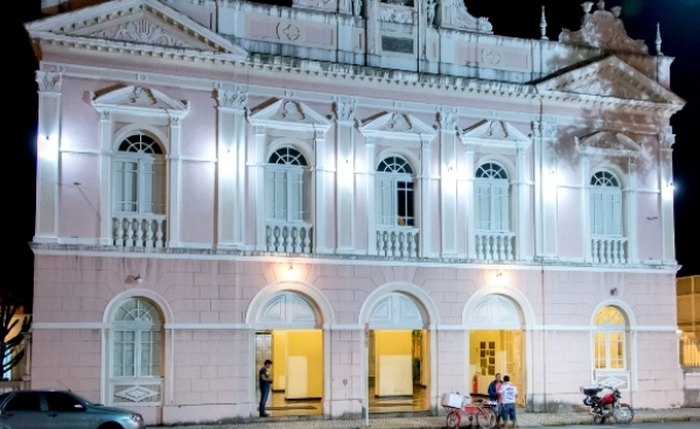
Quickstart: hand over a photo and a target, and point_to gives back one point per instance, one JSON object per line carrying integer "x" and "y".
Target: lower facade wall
{"x": 212, "y": 310}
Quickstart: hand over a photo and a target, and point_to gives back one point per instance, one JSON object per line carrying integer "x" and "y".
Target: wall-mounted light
{"x": 131, "y": 279}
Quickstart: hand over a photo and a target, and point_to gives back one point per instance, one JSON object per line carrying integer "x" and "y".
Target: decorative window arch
{"x": 492, "y": 189}
{"x": 609, "y": 339}
{"x": 395, "y": 193}
{"x": 287, "y": 187}
{"x": 136, "y": 351}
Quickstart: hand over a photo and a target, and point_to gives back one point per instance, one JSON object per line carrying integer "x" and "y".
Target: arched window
{"x": 139, "y": 176}
{"x": 609, "y": 339}
{"x": 395, "y": 197}
{"x": 492, "y": 198}
{"x": 287, "y": 187}
{"x": 606, "y": 205}
{"x": 137, "y": 349}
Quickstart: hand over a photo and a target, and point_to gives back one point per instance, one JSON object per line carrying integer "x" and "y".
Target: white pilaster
{"x": 426, "y": 224}
{"x": 105, "y": 162}
{"x": 370, "y": 163}
{"x": 448, "y": 184}
{"x": 257, "y": 168}
{"x": 324, "y": 178}
{"x": 48, "y": 156}
{"x": 345, "y": 177}
{"x": 175, "y": 183}
{"x": 231, "y": 167}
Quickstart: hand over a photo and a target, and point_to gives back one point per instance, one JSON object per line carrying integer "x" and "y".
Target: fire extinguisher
{"x": 475, "y": 383}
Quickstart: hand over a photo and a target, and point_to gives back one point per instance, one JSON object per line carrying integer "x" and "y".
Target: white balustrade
{"x": 609, "y": 250}
{"x": 138, "y": 230}
{"x": 399, "y": 242}
{"x": 289, "y": 238}
{"x": 495, "y": 246}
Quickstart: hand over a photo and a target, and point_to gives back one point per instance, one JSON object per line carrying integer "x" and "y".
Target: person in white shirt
{"x": 508, "y": 393}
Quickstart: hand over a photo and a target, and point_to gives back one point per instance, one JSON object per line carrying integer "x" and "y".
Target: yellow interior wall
{"x": 279, "y": 359}
{"x": 392, "y": 344}
{"x": 309, "y": 344}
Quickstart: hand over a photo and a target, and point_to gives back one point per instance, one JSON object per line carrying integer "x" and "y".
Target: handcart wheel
{"x": 486, "y": 419}
{"x": 453, "y": 419}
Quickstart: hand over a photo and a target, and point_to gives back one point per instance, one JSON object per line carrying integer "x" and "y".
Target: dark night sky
{"x": 679, "y": 20}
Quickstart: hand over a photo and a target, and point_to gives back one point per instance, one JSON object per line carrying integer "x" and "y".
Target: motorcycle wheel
{"x": 486, "y": 419}
{"x": 624, "y": 414}
{"x": 453, "y": 419}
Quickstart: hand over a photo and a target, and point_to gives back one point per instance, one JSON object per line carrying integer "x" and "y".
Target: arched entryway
{"x": 289, "y": 332}
{"x": 398, "y": 340}
{"x": 496, "y": 343}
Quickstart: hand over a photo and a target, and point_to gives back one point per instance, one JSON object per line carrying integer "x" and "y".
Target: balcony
{"x": 609, "y": 250}
{"x": 397, "y": 242}
{"x": 289, "y": 238}
{"x": 495, "y": 246}
{"x": 139, "y": 230}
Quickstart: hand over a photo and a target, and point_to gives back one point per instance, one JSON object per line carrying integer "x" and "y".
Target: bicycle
{"x": 482, "y": 411}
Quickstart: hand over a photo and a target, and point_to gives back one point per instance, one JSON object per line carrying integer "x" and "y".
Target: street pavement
{"x": 408, "y": 421}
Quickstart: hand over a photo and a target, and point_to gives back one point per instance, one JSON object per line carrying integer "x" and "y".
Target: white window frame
{"x": 492, "y": 198}
{"x": 144, "y": 347}
{"x": 139, "y": 165}
{"x": 287, "y": 187}
{"x": 606, "y": 205}
{"x": 394, "y": 178}
{"x": 609, "y": 334}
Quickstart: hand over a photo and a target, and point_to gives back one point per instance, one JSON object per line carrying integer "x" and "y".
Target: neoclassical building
{"x": 387, "y": 199}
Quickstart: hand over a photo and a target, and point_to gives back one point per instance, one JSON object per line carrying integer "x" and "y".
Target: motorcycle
{"x": 605, "y": 403}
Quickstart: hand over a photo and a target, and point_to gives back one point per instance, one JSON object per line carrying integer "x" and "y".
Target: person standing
{"x": 265, "y": 383}
{"x": 508, "y": 394}
{"x": 493, "y": 391}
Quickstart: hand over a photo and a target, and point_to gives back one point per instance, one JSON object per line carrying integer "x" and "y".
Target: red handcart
{"x": 456, "y": 405}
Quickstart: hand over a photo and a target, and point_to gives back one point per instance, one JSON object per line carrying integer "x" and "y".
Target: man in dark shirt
{"x": 265, "y": 382}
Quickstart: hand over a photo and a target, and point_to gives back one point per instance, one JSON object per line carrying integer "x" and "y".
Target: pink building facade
{"x": 388, "y": 200}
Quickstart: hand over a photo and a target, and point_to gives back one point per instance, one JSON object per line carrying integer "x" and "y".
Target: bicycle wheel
{"x": 486, "y": 418}
{"x": 624, "y": 414}
{"x": 453, "y": 419}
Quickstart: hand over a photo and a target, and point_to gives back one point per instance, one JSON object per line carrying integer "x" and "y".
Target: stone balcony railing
{"x": 289, "y": 237}
{"x": 139, "y": 230}
{"x": 609, "y": 250}
{"x": 495, "y": 246}
{"x": 398, "y": 242}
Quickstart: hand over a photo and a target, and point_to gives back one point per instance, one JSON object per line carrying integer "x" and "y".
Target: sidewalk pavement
{"x": 409, "y": 421}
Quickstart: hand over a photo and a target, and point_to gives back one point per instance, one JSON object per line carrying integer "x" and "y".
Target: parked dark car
{"x": 57, "y": 409}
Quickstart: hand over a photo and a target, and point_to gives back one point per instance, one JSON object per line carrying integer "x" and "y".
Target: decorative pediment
{"x": 608, "y": 144}
{"x": 144, "y": 25}
{"x": 603, "y": 29}
{"x": 612, "y": 78}
{"x": 138, "y": 98}
{"x": 288, "y": 114}
{"x": 397, "y": 126}
{"x": 493, "y": 133}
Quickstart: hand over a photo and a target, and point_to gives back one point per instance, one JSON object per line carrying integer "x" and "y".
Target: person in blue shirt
{"x": 265, "y": 382}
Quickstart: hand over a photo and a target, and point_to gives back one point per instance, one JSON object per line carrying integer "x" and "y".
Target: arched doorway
{"x": 289, "y": 333}
{"x": 496, "y": 344}
{"x": 398, "y": 345}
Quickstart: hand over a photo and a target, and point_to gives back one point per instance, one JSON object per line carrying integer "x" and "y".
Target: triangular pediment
{"x": 494, "y": 133}
{"x": 612, "y": 78}
{"x": 397, "y": 126}
{"x": 288, "y": 114}
{"x": 142, "y": 25}
{"x": 608, "y": 144}
{"x": 139, "y": 98}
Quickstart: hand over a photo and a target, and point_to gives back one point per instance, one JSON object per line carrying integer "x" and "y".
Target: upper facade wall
{"x": 220, "y": 90}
